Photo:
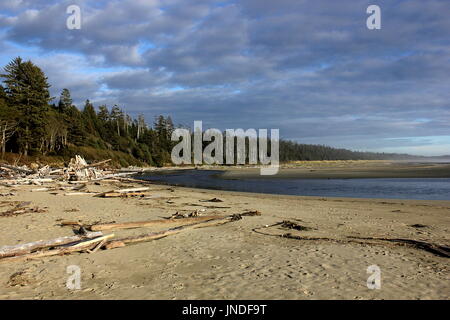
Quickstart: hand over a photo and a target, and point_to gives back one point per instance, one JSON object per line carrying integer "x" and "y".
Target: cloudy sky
{"x": 308, "y": 67}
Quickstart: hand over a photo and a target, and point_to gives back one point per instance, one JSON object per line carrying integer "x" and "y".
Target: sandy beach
{"x": 244, "y": 259}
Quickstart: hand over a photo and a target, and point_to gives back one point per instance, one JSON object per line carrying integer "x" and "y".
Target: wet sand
{"x": 239, "y": 260}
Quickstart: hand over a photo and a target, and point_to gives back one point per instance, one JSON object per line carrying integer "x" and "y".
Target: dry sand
{"x": 232, "y": 261}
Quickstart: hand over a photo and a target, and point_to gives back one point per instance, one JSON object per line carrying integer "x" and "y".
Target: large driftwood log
{"x": 131, "y": 190}
{"x": 77, "y": 187}
{"x": 436, "y": 249}
{"x": 149, "y": 223}
{"x": 42, "y": 189}
{"x": 25, "y": 181}
{"x": 143, "y": 237}
{"x": 122, "y": 192}
{"x": 162, "y": 234}
{"x": 121, "y": 195}
{"x": 79, "y": 193}
{"x": 82, "y": 246}
{"x": 20, "y": 249}
{"x": 92, "y": 241}
{"x": 114, "y": 175}
{"x": 181, "y": 221}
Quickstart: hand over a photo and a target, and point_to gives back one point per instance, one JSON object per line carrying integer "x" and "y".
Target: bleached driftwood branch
{"x": 7, "y": 251}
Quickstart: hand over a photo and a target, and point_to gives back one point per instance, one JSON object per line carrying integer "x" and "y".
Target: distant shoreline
{"x": 364, "y": 180}
{"x": 345, "y": 169}
{"x": 351, "y": 171}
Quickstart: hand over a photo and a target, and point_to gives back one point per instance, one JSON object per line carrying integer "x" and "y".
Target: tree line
{"x": 31, "y": 123}
{"x": 292, "y": 151}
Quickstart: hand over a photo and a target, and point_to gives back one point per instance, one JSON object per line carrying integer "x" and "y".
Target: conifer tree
{"x": 27, "y": 92}
{"x": 65, "y": 101}
{"x": 90, "y": 118}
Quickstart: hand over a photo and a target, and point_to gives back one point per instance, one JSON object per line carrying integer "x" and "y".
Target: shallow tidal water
{"x": 385, "y": 188}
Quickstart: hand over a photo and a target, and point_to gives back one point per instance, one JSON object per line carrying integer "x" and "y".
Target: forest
{"x": 31, "y": 124}
{"x": 34, "y": 124}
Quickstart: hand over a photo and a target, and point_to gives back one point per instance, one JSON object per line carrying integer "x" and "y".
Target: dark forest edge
{"x": 32, "y": 128}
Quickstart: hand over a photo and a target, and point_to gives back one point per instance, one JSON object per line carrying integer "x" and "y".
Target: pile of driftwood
{"x": 90, "y": 237}
{"x": 73, "y": 179}
{"x": 78, "y": 170}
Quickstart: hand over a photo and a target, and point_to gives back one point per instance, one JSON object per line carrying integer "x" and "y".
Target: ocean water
{"x": 386, "y": 188}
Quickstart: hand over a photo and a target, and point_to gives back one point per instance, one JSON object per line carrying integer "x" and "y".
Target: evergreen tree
{"x": 72, "y": 118}
{"x": 8, "y": 122}
{"x": 65, "y": 101}
{"x": 90, "y": 118}
{"x": 27, "y": 92}
{"x": 103, "y": 114}
{"x": 75, "y": 125}
{"x": 117, "y": 118}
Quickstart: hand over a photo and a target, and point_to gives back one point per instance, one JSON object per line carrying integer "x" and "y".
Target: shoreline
{"x": 233, "y": 261}
{"x": 306, "y": 197}
{"x": 275, "y": 196}
{"x": 345, "y": 169}
{"x": 348, "y": 171}
{"x": 397, "y": 181}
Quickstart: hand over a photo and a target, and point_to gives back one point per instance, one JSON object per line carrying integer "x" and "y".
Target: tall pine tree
{"x": 27, "y": 92}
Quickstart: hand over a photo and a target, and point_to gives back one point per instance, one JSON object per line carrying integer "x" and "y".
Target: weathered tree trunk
{"x": 165, "y": 233}
{"x": 140, "y": 224}
{"x": 86, "y": 245}
{"x": 8, "y": 251}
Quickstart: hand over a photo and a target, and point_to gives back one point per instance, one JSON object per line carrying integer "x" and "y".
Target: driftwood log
{"x": 131, "y": 190}
{"x": 82, "y": 246}
{"x": 20, "y": 249}
{"x": 113, "y": 175}
{"x": 434, "y": 248}
{"x": 80, "y": 193}
{"x": 162, "y": 234}
{"x": 149, "y": 223}
{"x": 437, "y": 249}
{"x": 121, "y": 195}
